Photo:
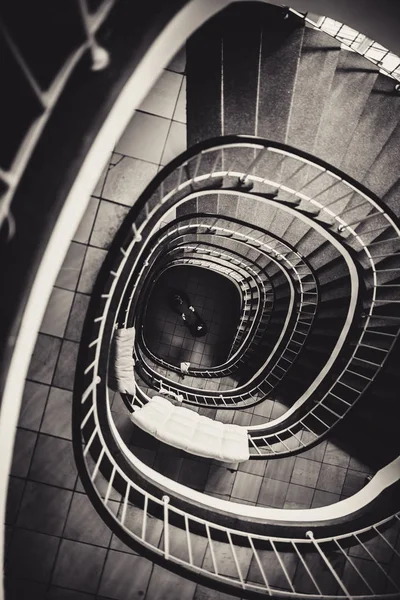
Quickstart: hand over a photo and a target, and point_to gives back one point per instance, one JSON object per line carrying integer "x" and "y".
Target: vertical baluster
{"x": 235, "y": 558}
{"x": 144, "y": 522}
{"x": 306, "y": 567}
{"x": 188, "y": 540}
{"x": 377, "y": 563}
{"x": 349, "y": 560}
{"x": 166, "y": 526}
{"x": 282, "y": 565}
{"x": 263, "y": 575}
{"x": 125, "y": 505}
{"x": 310, "y": 535}
{"x": 214, "y": 562}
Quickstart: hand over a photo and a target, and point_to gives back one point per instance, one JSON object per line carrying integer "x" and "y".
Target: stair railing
{"x": 170, "y": 189}
{"x": 303, "y": 278}
{"x": 46, "y": 99}
{"x": 264, "y": 305}
{"x": 351, "y": 39}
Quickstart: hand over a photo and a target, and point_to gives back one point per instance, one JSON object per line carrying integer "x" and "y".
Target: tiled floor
{"x": 217, "y": 302}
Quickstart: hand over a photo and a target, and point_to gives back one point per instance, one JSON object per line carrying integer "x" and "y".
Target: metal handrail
{"x": 92, "y": 413}
{"x": 47, "y": 99}
{"x": 351, "y": 39}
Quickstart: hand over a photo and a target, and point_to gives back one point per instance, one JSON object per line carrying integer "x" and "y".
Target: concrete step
{"x": 351, "y": 86}
{"x": 316, "y": 68}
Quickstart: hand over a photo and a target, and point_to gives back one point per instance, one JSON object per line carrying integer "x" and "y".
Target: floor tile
{"x": 315, "y": 453}
{"x": 280, "y": 468}
{"x": 85, "y": 525}
{"x": 194, "y": 473}
{"x": 336, "y": 456}
{"x": 180, "y": 109}
{"x": 331, "y": 479}
{"x": 32, "y": 406}
{"x": 32, "y": 555}
{"x": 77, "y": 317}
{"x": 125, "y": 576}
{"x": 305, "y": 472}
{"x": 144, "y": 137}
{"x": 100, "y": 184}
{"x": 353, "y": 482}
{"x": 93, "y": 260}
{"x": 127, "y": 180}
{"x": 53, "y": 462}
{"x": 59, "y": 593}
{"x": 57, "y": 312}
{"x": 257, "y": 467}
{"x": 58, "y": 414}
{"x": 272, "y": 493}
{"x": 359, "y": 465}
{"x": 44, "y": 358}
{"x": 44, "y": 508}
{"x": 108, "y": 221}
{"x": 70, "y": 270}
{"x": 178, "y": 63}
{"x": 176, "y": 142}
{"x": 298, "y": 496}
{"x": 164, "y": 465}
{"x": 164, "y": 585}
{"x": 162, "y": 98}
{"x": 20, "y": 589}
{"x": 205, "y": 593}
{"x": 82, "y": 234}
{"x": 65, "y": 369}
{"x": 134, "y": 522}
{"x": 14, "y": 496}
{"x": 23, "y": 450}
{"x": 322, "y": 498}
{"x": 246, "y": 486}
{"x": 220, "y": 480}
{"x": 79, "y": 566}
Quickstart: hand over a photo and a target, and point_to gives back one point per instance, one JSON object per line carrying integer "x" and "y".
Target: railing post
{"x": 165, "y": 500}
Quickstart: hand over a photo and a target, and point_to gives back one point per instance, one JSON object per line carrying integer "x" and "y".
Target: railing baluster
{"x": 166, "y": 527}
{"x": 310, "y": 535}
{"x": 144, "y": 522}
{"x": 125, "y": 505}
{"x": 263, "y": 575}
{"x": 188, "y": 540}
{"x": 235, "y": 559}
{"x": 377, "y": 563}
{"x": 211, "y": 549}
{"x": 97, "y": 465}
{"x": 282, "y": 564}
{"x": 347, "y": 557}
{"x": 306, "y": 567}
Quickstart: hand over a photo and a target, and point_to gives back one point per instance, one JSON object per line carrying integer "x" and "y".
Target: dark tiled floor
{"x": 217, "y": 302}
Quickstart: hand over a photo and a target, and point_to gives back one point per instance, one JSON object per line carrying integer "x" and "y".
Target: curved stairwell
{"x": 237, "y": 202}
{"x": 286, "y": 206}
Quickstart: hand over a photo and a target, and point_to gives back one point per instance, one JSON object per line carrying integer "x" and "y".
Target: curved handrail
{"x": 91, "y": 415}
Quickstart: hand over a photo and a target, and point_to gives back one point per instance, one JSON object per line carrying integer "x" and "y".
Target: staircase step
{"x": 280, "y": 51}
{"x": 203, "y": 71}
{"x": 317, "y": 64}
{"x": 350, "y": 89}
{"x": 384, "y": 172}
{"x": 378, "y": 120}
{"x": 240, "y": 50}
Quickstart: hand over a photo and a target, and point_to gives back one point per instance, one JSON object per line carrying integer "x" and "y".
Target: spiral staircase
{"x": 289, "y": 194}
